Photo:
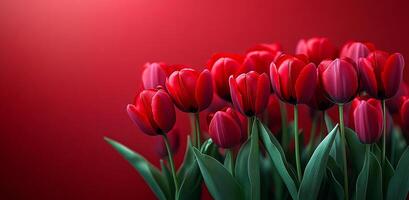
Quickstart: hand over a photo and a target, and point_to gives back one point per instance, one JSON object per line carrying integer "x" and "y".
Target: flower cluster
{"x": 245, "y": 98}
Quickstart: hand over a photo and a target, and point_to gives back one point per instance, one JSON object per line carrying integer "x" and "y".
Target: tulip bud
{"x": 404, "y": 114}
{"x": 319, "y": 100}
{"x": 225, "y": 129}
{"x": 221, "y": 70}
{"x": 368, "y": 121}
{"x": 174, "y": 143}
{"x": 382, "y": 74}
{"x": 395, "y": 103}
{"x": 249, "y": 92}
{"x": 258, "y": 61}
{"x": 153, "y": 75}
{"x": 339, "y": 79}
{"x": 153, "y": 112}
{"x": 356, "y": 50}
{"x": 293, "y": 79}
{"x": 190, "y": 90}
{"x": 317, "y": 49}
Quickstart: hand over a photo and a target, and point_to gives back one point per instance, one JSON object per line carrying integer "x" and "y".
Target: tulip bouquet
{"x": 355, "y": 148}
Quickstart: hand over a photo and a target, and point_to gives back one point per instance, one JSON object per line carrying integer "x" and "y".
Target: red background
{"x": 69, "y": 67}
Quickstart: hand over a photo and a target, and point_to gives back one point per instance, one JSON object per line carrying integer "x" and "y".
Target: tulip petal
{"x": 306, "y": 83}
{"x": 301, "y": 47}
{"x": 235, "y": 95}
{"x": 204, "y": 90}
{"x": 275, "y": 80}
{"x": 224, "y": 130}
{"x": 392, "y": 74}
{"x": 153, "y": 75}
{"x": 368, "y": 122}
{"x": 163, "y": 111}
{"x": 368, "y": 77}
{"x": 262, "y": 94}
{"x": 140, "y": 120}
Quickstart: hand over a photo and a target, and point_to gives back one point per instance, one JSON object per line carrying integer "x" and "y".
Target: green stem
{"x": 249, "y": 125}
{"x": 344, "y": 154}
{"x": 197, "y": 125}
{"x": 384, "y": 131}
{"x": 192, "y": 124}
{"x": 312, "y": 134}
{"x": 284, "y": 130}
{"x": 297, "y": 144}
{"x": 172, "y": 165}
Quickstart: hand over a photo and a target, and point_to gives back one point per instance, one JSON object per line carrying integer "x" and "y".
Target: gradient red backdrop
{"x": 69, "y": 67}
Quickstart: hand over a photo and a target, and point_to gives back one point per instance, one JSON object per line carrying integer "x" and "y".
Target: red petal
{"x": 263, "y": 93}
{"x": 163, "y": 111}
{"x": 392, "y": 74}
{"x": 368, "y": 77}
{"x": 306, "y": 83}
{"x": 204, "y": 90}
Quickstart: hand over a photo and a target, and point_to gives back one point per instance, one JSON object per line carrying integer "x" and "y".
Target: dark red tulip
{"x": 173, "y": 137}
{"x": 221, "y": 70}
{"x": 274, "y": 48}
{"x": 339, "y": 79}
{"x": 226, "y": 129}
{"x": 272, "y": 116}
{"x": 404, "y": 114}
{"x": 258, "y": 61}
{"x": 317, "y": 49}
{"x": 394, "y": 104}
{"x": 368, "y": 121}
{"x": 249, "y": 92}
{"x": 319, "y": 101}
{"x": 155, "y": 74}
{"x": 381, "y": 74}
{"x": 356, "y": 50}
{"x": 293, "y": 79}
{"x": 153, "y": 112}
{"x": 190, "y": 90}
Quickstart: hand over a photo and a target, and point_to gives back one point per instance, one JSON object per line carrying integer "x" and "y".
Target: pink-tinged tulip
{"x": 394, "y": 104}
{"x": 317, "y": 49}
{"x": 381, "y": 74}
{"x": 155, "y": 74}
{"x": 404, "y": 114}
{"x": 258, "y": 61}
{"x": 226, "y": 129}
{"x": 153, "y": 112}
{"x": 368, "y": 121}
{"x": 293, "y": 79}
{"x": 221, "y": 70}
{"x": 174, "y": 143}
{"x": 339, "y": 79}
{"x": 190, "y": 90}
{"x": 356, "y": 50}
{"x": 250, "y": 92}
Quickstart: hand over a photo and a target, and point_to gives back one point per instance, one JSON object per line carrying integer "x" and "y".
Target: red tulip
{"x": 274, "y": 48}
{"x": 293, "y": 79}
{"x": 382, "y": 74}
{"x": 155, "y": 74}
{"x": 249, "y": 92}
{"x": 226, "y": 129}
{"x": 190, "y": 90}
{"x": 258, "y": 61}
{"x": 153, "y": 112}
{"x": 221, "y": 70}
{"x": 317, "y": 49}
{"x": 404, "y": 114}
{"x": 319, "y": 100}
{"x": 368, "y": 121}
{"x": 174, "y": 143}
{"x": 356, "y": 50}
{"x": 395, "y": 103}
{"x": 272, "y": 116}
{"x": 339, "y": 79}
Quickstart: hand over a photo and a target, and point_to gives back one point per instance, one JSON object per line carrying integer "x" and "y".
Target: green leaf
{"x": 387, "y": 173}
{"x": 266, "y": 180}
{"x": 190, "y": 186}
{"x": 276, "y": 154}
{"x": 369, "y": 182}
{"x": 399, "y": 184}
{"x": 377, "y": 151}
{"x": 315, "y": 169}
{"x": 254, "y": 161}
{"x": 356, "y": 148}
{"x": 335, "y": 185}
{"x": 168, "y": 176}
{"x": 228, "y": 161}
{"x": 220, "y": 183}
{"x": 150, "y": 174}
{"x": 398, "y": 145}
{"x": 241, "y": 170}
{"x": 188, "y": 161}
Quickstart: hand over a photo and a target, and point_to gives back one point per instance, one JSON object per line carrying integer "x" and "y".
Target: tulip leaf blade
{"x": 188, "y": 160}
{"x": 399, "y": 184}
{"x": 316, "y": 168}
{"x": 228, "y": 162}
{"x": 336, "y": 186}
{"x": 241, "y": 168}
{"x": 369, "y": 181}
{"x": 276, "y": 154}
{"x": 356, "y": 148}
{"x": 254, "y": 161}
{"x": 220, "y": 183}
{"x": 149, "y": 173}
